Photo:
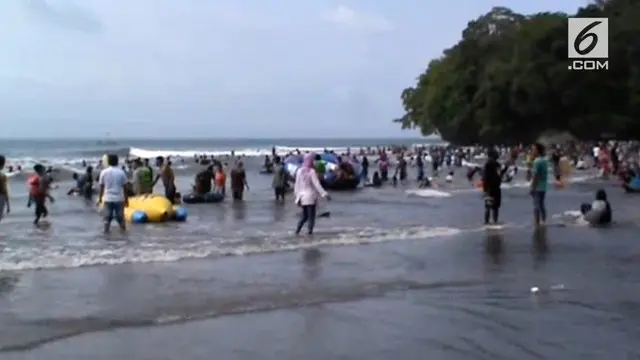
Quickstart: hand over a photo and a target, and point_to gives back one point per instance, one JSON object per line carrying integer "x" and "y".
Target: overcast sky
{"x": 205, "y": 68}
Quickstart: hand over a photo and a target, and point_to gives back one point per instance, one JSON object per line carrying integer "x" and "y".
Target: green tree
{"x": 506, "y": 81}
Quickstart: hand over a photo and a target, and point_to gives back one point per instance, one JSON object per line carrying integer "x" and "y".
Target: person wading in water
{"x": 307, "y": 190}
{"x": 238, "y": 181}
{"x": 142, "y": 178}
{"x": 539, "y": 184}
{"x": 491, "y": 180}
{"x": 113, "y": 191}
{"x": 279, "y": 182}
{"x": 39, "y": 192}
{"x": 4, "y": 192}
{"x": 168, "y": 179}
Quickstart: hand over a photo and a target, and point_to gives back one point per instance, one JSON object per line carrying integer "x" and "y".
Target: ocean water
{"x": 71, "y": 151}
{"x": 392, "y": 273}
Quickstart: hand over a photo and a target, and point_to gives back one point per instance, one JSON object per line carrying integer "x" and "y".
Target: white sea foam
{"x": 76, "y": 161}
{"x": 428, "y": 193}
{"x": 49, "y": 256}
{"x": 280, "y": 150}
{"x": 525, "y": 184}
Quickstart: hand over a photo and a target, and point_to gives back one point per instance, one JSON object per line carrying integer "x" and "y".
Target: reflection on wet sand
{"x": 494, "y": 246}
{"x": 540, "y": 243}
{"x": 312, "y": 259}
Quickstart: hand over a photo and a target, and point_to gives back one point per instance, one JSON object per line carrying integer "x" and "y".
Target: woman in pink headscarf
{"x": 307, "y": 191}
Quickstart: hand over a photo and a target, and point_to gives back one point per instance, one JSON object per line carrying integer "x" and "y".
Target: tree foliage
{"x": 507, "y": 81}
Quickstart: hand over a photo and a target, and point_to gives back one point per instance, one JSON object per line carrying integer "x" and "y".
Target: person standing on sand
{"x": 539, "y": 183}
{"x": 4, "y": 192}
{"x": 168, "y": 179}
{"x": 308, "y": 190}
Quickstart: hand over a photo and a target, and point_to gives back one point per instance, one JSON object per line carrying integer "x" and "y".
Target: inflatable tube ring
{"x": 180, "y": 214}
{"x": 139, "y": 217}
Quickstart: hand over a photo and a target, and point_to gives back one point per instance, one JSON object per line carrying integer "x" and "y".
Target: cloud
{"x": 199, "y": 63}
{"x": 345, "y": 16}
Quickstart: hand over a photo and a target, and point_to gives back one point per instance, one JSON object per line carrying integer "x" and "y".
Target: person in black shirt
{"x": 491, "y": 180}
{"x": 555, "y": 162}
{"x": 203, "y": 181}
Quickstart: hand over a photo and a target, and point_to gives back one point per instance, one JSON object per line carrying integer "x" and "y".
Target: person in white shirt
{"x": 308, "y": 190}
{"x": 113, "y": 193}
{"x": 599, "y": 212}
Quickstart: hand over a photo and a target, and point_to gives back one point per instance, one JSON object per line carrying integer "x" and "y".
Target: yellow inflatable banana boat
{"x": 152, "y": 209}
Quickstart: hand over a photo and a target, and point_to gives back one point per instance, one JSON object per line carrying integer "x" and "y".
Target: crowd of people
{"x": 116, "y": 183}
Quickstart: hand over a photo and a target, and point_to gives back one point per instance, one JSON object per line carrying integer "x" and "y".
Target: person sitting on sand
{"x": 599, "y": 212}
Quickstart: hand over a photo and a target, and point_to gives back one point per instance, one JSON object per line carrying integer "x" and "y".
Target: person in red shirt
{"x": 39, "y": 193}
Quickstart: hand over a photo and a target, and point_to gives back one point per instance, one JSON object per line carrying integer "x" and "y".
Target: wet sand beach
{"x": 388, "y": 275}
